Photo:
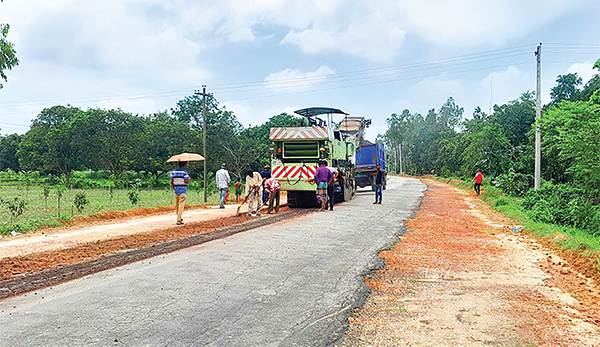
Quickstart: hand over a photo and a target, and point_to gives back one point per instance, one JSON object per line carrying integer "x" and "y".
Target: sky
{"x": 261, "y": 58}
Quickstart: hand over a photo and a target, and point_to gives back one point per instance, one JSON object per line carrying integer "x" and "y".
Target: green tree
{"x": 162, "y": 137}
{"x": 115, "y": 139}
{"x": 567, "y": 88}
{"x": 515, "y": 118}
{"x": 8, "y": 55}
{"x": 571, "y": 130}
{"x": 56, "y": 142}
{"x": 222, "y": 127}
{"x": 592, "y": 85}
{"x": 8, "y": 152}
{"x": 487, "y": 150}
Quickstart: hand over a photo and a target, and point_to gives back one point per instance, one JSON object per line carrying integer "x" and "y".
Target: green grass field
{"x": 45, "y": 212}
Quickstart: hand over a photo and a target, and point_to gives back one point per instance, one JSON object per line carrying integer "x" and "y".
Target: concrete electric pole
{"x": 538, "y": 116}
{"x": 204, "y": 129}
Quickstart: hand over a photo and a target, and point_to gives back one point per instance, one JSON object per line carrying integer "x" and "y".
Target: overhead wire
{"x": 342, "y": 80}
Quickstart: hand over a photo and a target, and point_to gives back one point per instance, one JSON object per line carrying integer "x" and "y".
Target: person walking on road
{"x": 238, "y": 190}
{"x": 379, "y": 184}
{"x": 322, "y": 176}
{"x": 180, "y": 178}
{"x": 272, "y": 186}
{"x": 253, "y": 192}
{"x": 222, "y": 178}
{"x": 330, "y": 188}
{"x": 478, "y": 181}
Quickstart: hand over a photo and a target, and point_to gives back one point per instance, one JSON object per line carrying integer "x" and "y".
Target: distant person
{"x": 222, "y": 178}
{"x": 379, "y": 184}
{"x": 322, "y": 176}
{"x": 331, "y": 187}
{"x": 273, "y": 187}
{"x": 238, "y": 190}
{"x": 265, "y": 174}
{"x": 180, "y": 178}
{"x": 253, "y": 187}
{"x": 478, "y": 181}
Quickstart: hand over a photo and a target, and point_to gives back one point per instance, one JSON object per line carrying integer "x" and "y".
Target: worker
{"x": 265, "y": 174}
{"x": 322, "y": 176}
{"x": 253, "y": 192}
{"x": 273, "y": 187}
{"x": 330, "y": 188}
{"x": 222, "y": 180}
{"x": 379, "y": 184}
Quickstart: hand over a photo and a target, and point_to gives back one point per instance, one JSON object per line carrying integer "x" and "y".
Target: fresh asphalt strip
{"x": 31, "y": 281}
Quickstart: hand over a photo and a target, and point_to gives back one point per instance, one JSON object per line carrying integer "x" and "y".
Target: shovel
{"x": 237, "y": 213}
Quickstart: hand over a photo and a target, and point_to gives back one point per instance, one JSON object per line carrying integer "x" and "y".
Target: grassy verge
{"x": 569, "y": 238}
{"x": 42, "y": 211}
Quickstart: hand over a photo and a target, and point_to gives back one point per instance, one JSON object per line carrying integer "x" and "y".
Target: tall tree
{"x": 8, "y": 55}
{"x": 567, "y": 88}
{"x": 8, "y": 152}
{"x": 164, "y": 136}
{"x": 515, "y": 118}
{"x": 116, "y": 139}
{"x": 222, "y": 127}
{"x": 55, "y": 142}
{"x": 572, "y": 133}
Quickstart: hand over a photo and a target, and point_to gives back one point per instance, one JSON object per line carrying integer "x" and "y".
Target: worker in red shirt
{"x": 478, "y": 180}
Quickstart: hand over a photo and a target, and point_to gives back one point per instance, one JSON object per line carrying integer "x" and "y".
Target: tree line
{"x": 501, "y": 145}
{"x": 63, "y": 139}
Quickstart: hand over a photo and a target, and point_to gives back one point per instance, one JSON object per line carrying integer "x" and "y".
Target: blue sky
{"x": 261, "y": 58}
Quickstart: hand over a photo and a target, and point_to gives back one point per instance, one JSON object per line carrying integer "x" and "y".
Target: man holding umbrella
{"x": 180, "y": 178}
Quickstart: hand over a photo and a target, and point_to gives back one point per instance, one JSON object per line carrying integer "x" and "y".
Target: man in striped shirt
{"x": 180, "y": 178}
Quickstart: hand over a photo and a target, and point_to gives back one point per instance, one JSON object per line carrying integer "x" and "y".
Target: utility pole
{"x": 538, "y": 117}
{"x": 204, "y": 129}
{"x": 400, "y": 151}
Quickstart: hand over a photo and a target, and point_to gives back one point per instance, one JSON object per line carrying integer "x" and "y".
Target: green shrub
{"x": 514, "y": 183}
{"x": 80, "y": 201}
{"x": 501, "y": 201}
{"x": 564, "y": 204}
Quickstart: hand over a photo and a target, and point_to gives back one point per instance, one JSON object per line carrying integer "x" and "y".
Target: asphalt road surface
{"x": 292, "y": 283}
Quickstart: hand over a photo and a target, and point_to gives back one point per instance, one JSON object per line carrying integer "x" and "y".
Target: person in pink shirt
{"x": 272, "y": 187}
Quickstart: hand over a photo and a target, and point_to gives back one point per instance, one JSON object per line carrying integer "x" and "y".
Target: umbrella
{"x": 185, "y": 157}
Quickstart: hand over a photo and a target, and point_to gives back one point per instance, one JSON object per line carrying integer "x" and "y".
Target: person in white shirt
{"x": 253, "y": 191}
{"x": 222, "y": 178}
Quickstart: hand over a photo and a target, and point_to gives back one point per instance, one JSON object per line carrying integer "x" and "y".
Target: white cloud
{"x": 584, "y": 70}
{"x": 504, "y": 86}
{"x": 440, "y": 85}
{"x": 374, "y": 40}
{"x": 474, "y": 22}
{"x": 295, "y": 80}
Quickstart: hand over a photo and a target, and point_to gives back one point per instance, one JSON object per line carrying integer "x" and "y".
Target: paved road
{"x": 291, "y": 283}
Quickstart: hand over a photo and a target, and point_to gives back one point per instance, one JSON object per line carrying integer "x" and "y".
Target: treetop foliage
{"x": 8, "y": 55}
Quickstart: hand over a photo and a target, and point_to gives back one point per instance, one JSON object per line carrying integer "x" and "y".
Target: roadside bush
{"x": 564, "y": 204}
{"x": 502, "y": 201}
{"x": 514, "y": 183}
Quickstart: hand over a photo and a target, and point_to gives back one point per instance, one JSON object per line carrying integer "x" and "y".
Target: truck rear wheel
{"x": 302, "y": 199}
